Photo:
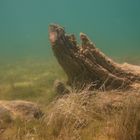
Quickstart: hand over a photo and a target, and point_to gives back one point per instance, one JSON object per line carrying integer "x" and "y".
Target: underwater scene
{"x": 69, "y": 70}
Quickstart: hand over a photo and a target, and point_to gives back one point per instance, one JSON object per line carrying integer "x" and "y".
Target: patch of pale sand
{"x": 131, "y": 68}
{"x": 7, "y": 87}
{"x": 23, "y": 84}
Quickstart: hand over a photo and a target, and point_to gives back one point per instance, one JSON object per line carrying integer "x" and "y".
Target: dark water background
{"x": 113, "y": 24}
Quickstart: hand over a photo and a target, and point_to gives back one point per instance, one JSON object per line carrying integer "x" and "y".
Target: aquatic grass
{"x": 80, "y": 115}
{"x": 83, "y": 115}
{"x": 29, "y": 80}
{"x": 127, "y": 122}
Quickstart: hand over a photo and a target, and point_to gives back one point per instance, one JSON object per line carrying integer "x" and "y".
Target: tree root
{"x": 84, "y": 64}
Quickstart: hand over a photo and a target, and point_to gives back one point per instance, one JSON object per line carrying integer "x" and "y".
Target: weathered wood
{"x": 85, "y": 64}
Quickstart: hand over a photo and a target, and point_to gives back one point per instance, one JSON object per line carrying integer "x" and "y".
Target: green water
{"x": 114, "y": 25}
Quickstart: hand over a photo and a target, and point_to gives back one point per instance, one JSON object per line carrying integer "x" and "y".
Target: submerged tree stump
{"x": 84, "y": 64}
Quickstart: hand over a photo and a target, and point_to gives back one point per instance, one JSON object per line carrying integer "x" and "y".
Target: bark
{"x": 84, "y": 64}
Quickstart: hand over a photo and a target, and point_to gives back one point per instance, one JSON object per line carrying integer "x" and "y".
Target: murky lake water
{"x": 114, "y": 25}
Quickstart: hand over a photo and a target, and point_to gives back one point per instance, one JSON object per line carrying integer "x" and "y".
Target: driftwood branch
{"x": 85, "y": 64}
